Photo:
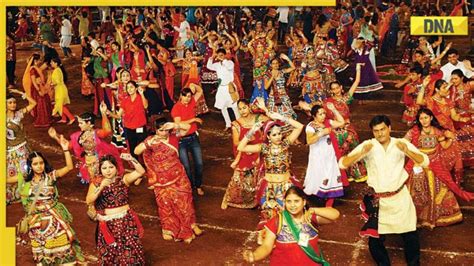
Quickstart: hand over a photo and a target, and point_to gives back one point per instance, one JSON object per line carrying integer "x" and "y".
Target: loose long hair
{"x": 434, "y": 122}
{"x": 29, "y": 170}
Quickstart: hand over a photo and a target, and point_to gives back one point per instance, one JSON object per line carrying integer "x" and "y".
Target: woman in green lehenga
{"x": 53, "y": 241}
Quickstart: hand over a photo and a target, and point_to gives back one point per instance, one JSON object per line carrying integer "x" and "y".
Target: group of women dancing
{"x": 131, "y": 77}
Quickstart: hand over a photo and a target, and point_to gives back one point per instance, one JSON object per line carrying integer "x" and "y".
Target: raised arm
{"x": 420, "y": 99}
{"x": 243, "y": 145}
{"x": 31, "y": 101}
{"x": 197, "y": 90}
{"x": 139, "y": 171}
{"x": 287, "y": 59}
{"x": 141, "y": 91}
{"x": 297, "y": 126}
{"x": 67, "y": 155}
{"x": 441, "y": 55}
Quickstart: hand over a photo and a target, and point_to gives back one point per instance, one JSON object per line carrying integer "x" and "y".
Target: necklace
{"x": 436, "y": 98}
{"x": 275, "y": 149}
{"x": 427, "y": 132}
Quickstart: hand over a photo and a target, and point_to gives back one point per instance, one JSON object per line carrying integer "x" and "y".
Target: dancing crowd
{"x": 149, "y": 124}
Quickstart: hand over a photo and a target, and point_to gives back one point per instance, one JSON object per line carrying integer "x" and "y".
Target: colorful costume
{"x": 453, "y": 155}
{"x": 433, "y": 188}
{"x": 173, "y": 193}
{"x": 89, "y": 146}
{"x": 369, "y": 82}
{"x": 347, "y": 137}
{"x": 271, "y": 195}
{"x": 53, "y": 241}
{"x": 119, "y": 235}
{"x": 462, "y": 98}
{"x": 279, "y": 101}
{"x": 286, "y": 250}
{"x": 241, "y": 190}
{"x": 17, "y": 153}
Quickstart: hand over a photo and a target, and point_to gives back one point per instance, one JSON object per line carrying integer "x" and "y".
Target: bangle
{"x": 23, "y": 96}
{"x": 286, "y": 120}
{"x": 65, "y": 150}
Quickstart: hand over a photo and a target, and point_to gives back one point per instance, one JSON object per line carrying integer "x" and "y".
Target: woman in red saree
{"x": 444, "y": 111}
{"x": 433, "y": 188}
{"x": 167, "y": 177}
{"x": 36, "y": 85}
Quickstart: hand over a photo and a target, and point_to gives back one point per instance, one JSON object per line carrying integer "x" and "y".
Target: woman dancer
{"x": 240, "y": 192}
{"x": 119, "y": 230}
{"x": 433, "y": 188}
{"x": 53, "y": 240}
{"x": 346, "y": 135}
{"x": 294, "y": 225}
{"x": 278, "y": 99}
{"x": 61, "y": 96}
{"x": 34, "y": 82}
{"x": 444, "y": 111}
{"x": 323, "y": 177}
{"x": 17, "y": 147}
{"x": 167, "y": 177}
{"x": 277, "y": 162}
{"x": 370, "y": 82}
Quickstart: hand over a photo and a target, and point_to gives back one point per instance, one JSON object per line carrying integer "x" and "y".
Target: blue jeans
{"x": 191, "y": 144}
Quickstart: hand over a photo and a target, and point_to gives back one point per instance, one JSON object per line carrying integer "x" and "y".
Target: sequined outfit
{"x": 432, "y": 188}
{"x": 53, "y": 241}
{"x": 17, "y": 153}
{"x": 277, "y": 161}
{"x": 119, "y": 235}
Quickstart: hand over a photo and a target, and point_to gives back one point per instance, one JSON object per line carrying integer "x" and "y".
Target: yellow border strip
{"x": 7, "y": 235}
{"x": 174, "y": 3}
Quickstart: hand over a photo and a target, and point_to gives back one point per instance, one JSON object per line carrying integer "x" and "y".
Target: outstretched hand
{"x": 103, "y": 107}
{"x": 64, "y": 143}
{"x": 52, "y": 133}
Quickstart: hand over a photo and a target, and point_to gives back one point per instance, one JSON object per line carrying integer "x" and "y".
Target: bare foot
{"x": 224, "y": 204}
{"x": 167, "y": 237}
{"x": 197, "y": 231}
{"x": 200, "y": 192}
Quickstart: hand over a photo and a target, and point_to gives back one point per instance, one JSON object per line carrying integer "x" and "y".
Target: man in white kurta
{"x": 385, "y": 158}
{"x": 66, "y": 36}
{"x": 225, "y": 73}
{"x": 454, "y": 63}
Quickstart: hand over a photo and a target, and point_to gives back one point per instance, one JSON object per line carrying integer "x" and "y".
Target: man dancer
{"x": 396, "y": 214}
{"x": 225, "y": 73}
